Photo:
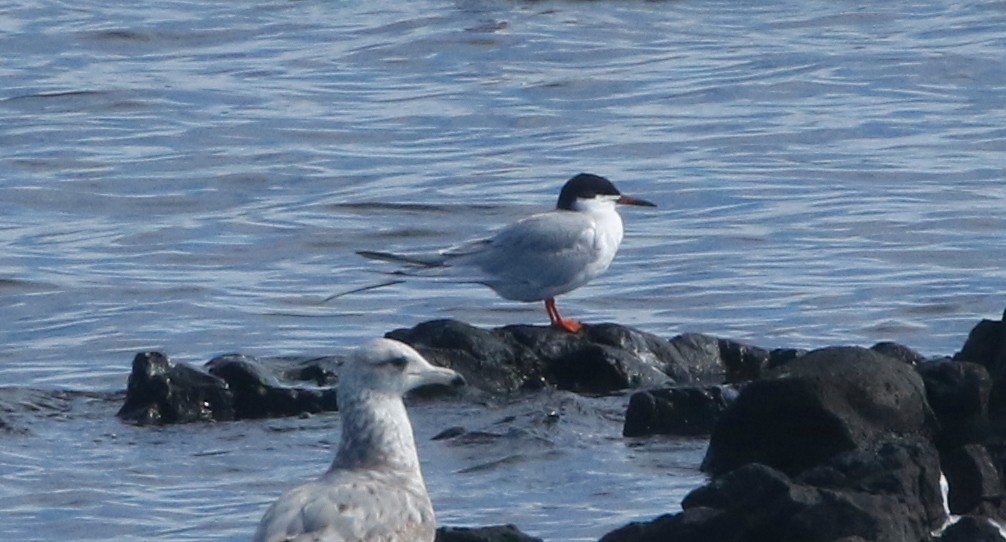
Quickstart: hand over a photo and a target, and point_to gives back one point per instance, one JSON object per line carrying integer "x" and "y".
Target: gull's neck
{"x": 376, "y": 433}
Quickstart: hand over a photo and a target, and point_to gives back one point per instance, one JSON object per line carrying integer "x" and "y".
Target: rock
{"x": 601, "y": 358}
{"x": 693, "y": 525}
{"x": 684, "y": 411}
{"x": 713, "y": 359}
{"x": 899, "y": 352}
{"x": 986, "y": 346}
{"x": 903, "y": 475}
{"x": 781, "y": 356}
{"x": 887, "y": 495}
{"x": 487, "y": 361}
{"x": 18, "y": 403}
{"x": 975, "y": 485}
{"x": 971, "y": 529}
{"x": 160, "y": 392}
{"x": 257, "y": 393}
{"x": 958, "y": 393}
{"x": 500, "y": 533}
{"x": 232, "y": 387}
{"x": 826, "y": 402}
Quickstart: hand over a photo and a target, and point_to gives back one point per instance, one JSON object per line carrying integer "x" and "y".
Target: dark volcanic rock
{"x": 959, "y": 394}
{"x": 686, "y": 411}
{"x": 986, "y": 346}
{"x": 235, "y": 387}
{"x": 258, "y": 393}
{"x": 486, "y": 360}
{"x": 832, "y": 445}
{"x": 971, "y": 529}
{"x": 500, "y": 533}
{"x": 693, "y": 525}
{"x": 599, "y": 359}
{"x": 899, "y": 352}
{"x": 161, "y": 392}
{"x": 823, "y": 403}
{"x": 889, "y": 495}
{"x": 975, "y": 486}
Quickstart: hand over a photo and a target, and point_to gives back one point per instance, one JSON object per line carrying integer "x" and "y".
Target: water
{"x": 195, "y": 177}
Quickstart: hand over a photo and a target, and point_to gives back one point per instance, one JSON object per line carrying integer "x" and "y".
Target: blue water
{"x": 195, "y": 177}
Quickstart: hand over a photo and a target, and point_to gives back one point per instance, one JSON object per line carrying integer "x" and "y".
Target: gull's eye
{"x": 399, "y": 362}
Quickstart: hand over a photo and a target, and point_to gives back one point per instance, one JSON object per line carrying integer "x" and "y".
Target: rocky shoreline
{"x": 835, "y": 444}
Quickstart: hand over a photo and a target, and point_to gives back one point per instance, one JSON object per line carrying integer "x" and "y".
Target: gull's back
{"x": 341, "y": 508}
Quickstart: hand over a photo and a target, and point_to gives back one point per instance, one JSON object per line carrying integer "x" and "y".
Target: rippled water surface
{"x": 195, "y": 177}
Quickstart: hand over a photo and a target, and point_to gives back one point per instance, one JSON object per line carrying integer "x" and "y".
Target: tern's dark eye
{"x": 399, "y": 362}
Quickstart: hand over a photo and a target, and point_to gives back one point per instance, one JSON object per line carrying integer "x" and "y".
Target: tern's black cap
{"x": 584, "y": 185}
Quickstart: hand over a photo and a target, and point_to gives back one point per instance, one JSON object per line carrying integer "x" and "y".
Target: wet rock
{"x": 887, "y": 495}
{"x": 600, "y": 359}
{"x": 257, "y": 393}
{"x": 500, "y": 533}
{"x": 230, "y": 387}
{"x": 684, "y": 411}
{"x": 830, "y": 445}
{"x": 160, "y": 392}
{"x": 971, "y": 529}
{"x": 826, "y": 402}
{"x": 899, "y": 352}
{"x": 693, "y": 525}
{"x": 958, "y": 393}
{"x": 781, "y": 356}
{"x": 986, "y": 346}
{"x": 975, "y": 485}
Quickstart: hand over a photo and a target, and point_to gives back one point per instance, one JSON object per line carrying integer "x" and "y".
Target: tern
{"x": 374, "y": 490}
{"x": 541, "y": 256}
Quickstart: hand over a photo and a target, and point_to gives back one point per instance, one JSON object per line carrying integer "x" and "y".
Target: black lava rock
{"x": 599, "y": 359}
{"x": 986, "y": 346}
{"x": 959, "y": 394}
{"x": 975, "y": 485}
{"x": 258, "y": 393}
{"x": 685, "y": 411}
{"x": 971, "y": 529}
{"x": 890, "y": 494}
{"x": 160, "y": 392}
{"x": 823, "y": 403}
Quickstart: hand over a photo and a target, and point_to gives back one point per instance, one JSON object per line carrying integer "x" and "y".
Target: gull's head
{"x": 589, "y": 192}
{"x": 393, "y": 367}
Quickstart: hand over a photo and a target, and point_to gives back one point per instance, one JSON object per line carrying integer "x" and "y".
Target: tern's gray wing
{"x": 355, "y": 507}
{"x": 541, "y": 256}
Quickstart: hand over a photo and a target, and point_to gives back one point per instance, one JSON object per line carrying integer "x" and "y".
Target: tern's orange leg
{"x": 571, "y": 326}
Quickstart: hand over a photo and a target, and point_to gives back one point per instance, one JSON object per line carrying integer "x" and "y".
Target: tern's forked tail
{"x": 415, "y": 260}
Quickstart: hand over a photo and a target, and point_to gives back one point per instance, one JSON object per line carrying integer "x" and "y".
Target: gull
{"x": 374, "y": 490}
{"x": 541, "y": 256}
